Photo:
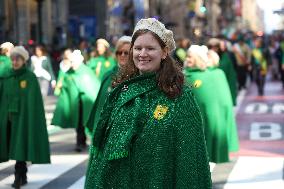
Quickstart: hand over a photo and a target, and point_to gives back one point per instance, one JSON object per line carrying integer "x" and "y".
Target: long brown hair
{"x": 169, "y": 77}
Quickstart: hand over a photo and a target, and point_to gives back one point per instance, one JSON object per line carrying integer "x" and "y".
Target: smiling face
{"x": 148, "y": 53}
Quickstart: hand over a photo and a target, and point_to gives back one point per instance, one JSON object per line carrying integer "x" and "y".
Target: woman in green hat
{"x": 150, "y": 134}
{"x": 23, "y": 132}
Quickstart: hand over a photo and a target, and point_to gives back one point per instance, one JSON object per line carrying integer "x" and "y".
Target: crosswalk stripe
{"x": 52, "y": 129}
{"x": 66, "y": 134}
{"x": 7, "y": 164}
{"x": 48, "y": 116}
{"x": 212, "y": 166}
{"x": 49, "y": 107}
{"x": 79, "y": 184}
{"x": 240, "y": 99}
{"x": 256, "y": 173}
{"x": 39, "y": 175}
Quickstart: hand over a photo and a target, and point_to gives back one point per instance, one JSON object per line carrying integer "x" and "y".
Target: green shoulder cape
{"x": 213, "y": 96}
{"x": 100, "y": 100}
{"x": 21, "y": 103}
{"x": 227, "y": 66}
{"x": 5, "y": 66}
{"x": 80, "y": 85}
{"x": 101, "y": 65}
{"x": 146, "y": 140}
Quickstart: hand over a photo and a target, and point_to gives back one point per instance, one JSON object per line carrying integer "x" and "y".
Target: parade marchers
{"x": 84, "y": 84}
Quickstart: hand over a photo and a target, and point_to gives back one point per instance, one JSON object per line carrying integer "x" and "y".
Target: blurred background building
{"x": 63, "y": 22}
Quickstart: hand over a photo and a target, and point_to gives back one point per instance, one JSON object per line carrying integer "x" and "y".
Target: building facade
{"x": 252, "y": 16}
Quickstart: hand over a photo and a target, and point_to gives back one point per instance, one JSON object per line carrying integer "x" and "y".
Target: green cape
{"x": 106, "y": 64}
{"x": 78, "y": 85}
{"x": 227, "y": 66}
{"x": 146, "y": 140}
{"x": 21, "y": 101}
{"x": 5, "y": 66}
{"x": 213, "y": 96}
{"x": 100, "y": 100}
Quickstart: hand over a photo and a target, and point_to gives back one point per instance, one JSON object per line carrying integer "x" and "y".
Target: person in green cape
{"x": 150, "y": 134}
{"x": 23, "y": 131}
{"x": 103, "y": 60}
{"x": 64, "y": 66}
{"x": 226, "y": 65}
{"x": 216, "y": 107}
{"x": 179, "y": 53}
{"x": 5, "y": 61}
{"x": 259, "y": 65}
{"x": 79, "y": 90}
{"x": 213, "y": 67}
{"x": 122, "y": 54}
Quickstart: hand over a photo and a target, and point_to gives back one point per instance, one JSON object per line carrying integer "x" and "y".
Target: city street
{"x": 257, "y": 165}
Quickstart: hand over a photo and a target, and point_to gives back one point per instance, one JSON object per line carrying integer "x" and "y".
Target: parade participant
{"x": 78, "y": 93}
{"x": 225, "y": 64}
{"x": 103, "y": 60}
{"x": 122, "y": 50}
{"x": 150, "y": 134}
{"x": 5, "y": 61}
{"x": 23, "y": 132}
{"x": 243, "y": 55}
{"x": 259, "y": 65}
{"x": 216, "y": 108}
{"x": 180, "y": 52}
{"x": 122, "y": 54}
{"x": 64, "y": 66}
{"x": 225, "y": 99}
{"x": 41, "y": 66}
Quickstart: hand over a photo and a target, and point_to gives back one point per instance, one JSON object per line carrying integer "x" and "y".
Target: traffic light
{"x": 202, "y": 9}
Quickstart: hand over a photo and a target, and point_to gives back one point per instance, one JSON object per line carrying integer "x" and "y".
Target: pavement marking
{"x": 256, "y": 173}
{"x": 40, "y": 175}
{"x": 49, "y": 116}
{"x": 267, "y": 97}
{"x": 65, "y": 135}
{"x": 78, "y": 184}
{"x": 49, "y": 107}
{"x": 7, "y": 164}
{"x": 53, "y": 129}
{"x": 240, "y": 99}
{"x": 68, "y": 178}
{"x": 212, "y": 166}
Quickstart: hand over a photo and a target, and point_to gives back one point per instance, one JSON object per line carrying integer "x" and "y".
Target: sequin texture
{"x": 133, "y": 149}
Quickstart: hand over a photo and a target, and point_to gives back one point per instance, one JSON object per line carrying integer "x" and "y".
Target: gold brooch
{"x": 197, "y": 83}
{"x": 23, "y": 84}
{"x": 107, "y": 64}
{"x": 160, "y": 112}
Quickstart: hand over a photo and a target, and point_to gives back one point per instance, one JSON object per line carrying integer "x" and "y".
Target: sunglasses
{"x": 126, "y": 53}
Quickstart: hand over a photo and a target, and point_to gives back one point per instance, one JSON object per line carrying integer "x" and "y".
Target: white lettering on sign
{"x": 265, "y": 131}
{"x": 278, "y": 108}
{"x": 256, "y": 108}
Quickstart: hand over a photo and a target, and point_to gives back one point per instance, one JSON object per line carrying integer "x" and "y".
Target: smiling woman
{"x": 147, "y": 57}
{"x": 150, "y": 131}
